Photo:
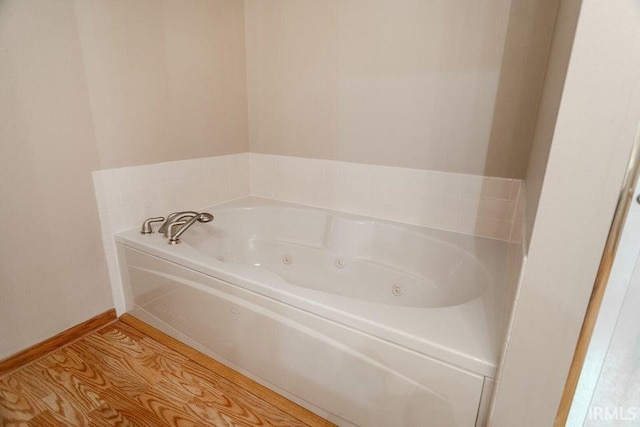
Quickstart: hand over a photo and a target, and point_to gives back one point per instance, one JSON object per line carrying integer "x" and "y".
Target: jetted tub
{"x": 364, "y": 321}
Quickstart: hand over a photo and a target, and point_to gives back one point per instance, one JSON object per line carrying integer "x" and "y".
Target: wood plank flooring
{"x": 119, "y": 376}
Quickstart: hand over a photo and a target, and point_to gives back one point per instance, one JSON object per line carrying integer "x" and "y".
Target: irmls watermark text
{"x": 613, "y": 413}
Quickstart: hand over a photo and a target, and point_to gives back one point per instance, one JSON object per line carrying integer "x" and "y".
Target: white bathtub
{"x": 364, "y": 321}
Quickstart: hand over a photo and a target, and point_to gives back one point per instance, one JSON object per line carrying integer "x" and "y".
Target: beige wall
{"x": 410, "y": 83}
{"x": 52, "y": 268}
{"x": 531, "y": 26}
{"x": 167, "y": 79}
{"x": 596, "y": 126}
{"x": 94, "y": 85}
{"x": 549, "y": 105}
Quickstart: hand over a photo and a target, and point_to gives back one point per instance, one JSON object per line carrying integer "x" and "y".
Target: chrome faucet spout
{"x": 174, "y": 239}
{"x": 173, "y": 217}
{"x": 172, "y": 228}
{"x": 177, "y": 224}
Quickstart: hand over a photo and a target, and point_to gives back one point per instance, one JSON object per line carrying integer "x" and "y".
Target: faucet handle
{"x": 146, "y": 225}
{"x": 207, "y": 217}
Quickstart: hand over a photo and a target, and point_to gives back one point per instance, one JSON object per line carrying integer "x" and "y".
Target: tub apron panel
{"x": 359, "y": 378}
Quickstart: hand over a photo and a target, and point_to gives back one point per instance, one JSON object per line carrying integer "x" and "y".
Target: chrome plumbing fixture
{"x": 146, "y": 225}
{"x": 174, "y": 238}
{"x": 174, "y": 217}
{"x": 170, "y": 231}
{"x": 178, "y": 216}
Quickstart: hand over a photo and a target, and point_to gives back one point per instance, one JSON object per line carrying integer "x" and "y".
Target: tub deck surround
{"x": 362, "y": 321}
{"x": 463, "y": 327}
{"x": 474, "y": 205}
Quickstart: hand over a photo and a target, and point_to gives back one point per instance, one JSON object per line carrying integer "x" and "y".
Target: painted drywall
{"x": 558, "y": 64}
{"x": 531, "y": 27}
{"x": 52, "y": 269}
{"x": 93, "y": 85}
{"x": 167, "y": 79}
{"x": 596, "y": 127}
{"x": 411, "y": 84}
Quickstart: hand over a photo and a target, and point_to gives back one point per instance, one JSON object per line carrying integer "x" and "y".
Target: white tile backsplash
{"x": 468, "y": 204}
{"x": 483, "y": 206}
{"x": 126, "y": 196}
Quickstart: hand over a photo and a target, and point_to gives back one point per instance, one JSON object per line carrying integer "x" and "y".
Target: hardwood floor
{"x": 120, "y": 376}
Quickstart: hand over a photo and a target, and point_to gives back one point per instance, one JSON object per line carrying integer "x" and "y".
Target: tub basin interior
{"x": 365, "y": 259}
